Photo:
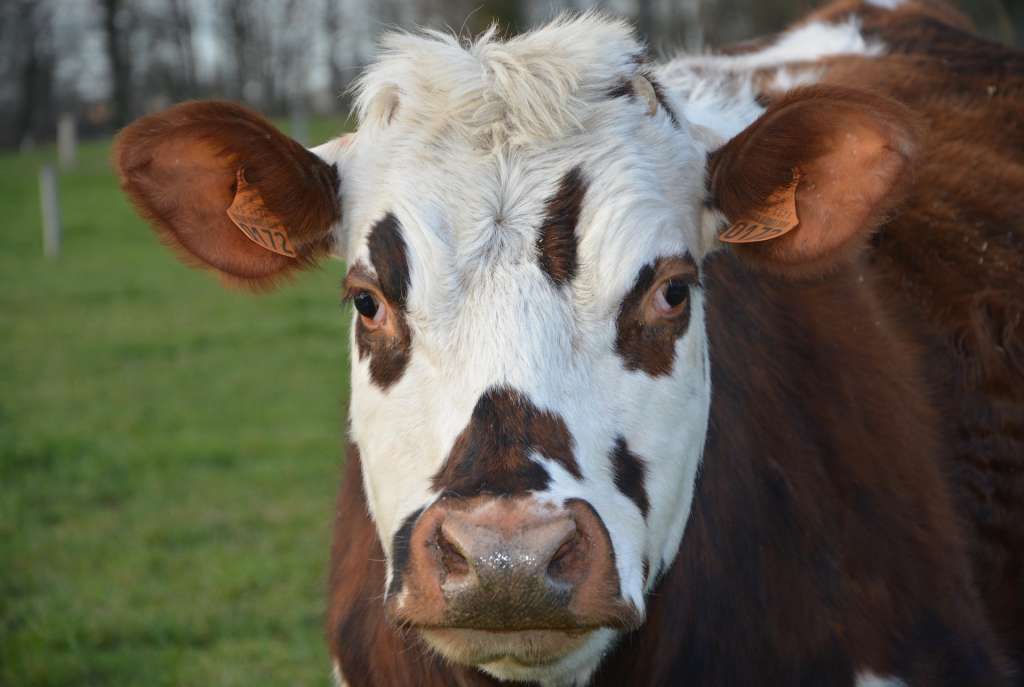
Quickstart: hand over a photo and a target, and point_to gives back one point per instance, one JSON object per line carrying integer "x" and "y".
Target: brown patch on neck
{"x": 556, "y": 240}
{"x": 492, "y": 454}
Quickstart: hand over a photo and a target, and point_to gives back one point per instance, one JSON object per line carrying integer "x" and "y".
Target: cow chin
{"x": 504, "y": 650}
{"x": 522, "y": 655}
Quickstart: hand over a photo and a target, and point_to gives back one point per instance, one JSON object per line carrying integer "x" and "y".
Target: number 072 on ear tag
{"x": 770, "y": 220}
{"x": 257, "y": 222}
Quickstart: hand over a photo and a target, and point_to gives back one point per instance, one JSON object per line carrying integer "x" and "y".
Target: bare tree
{"x": 114, "y": 18}
{"x": 336, "y": 81}
{"x": 182, "y": 32}
{"x": 238, "y": 22}
{"x": 29, "y": 39}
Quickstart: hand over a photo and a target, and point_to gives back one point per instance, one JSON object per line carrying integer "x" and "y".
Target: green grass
{"x": 169, "y": 451}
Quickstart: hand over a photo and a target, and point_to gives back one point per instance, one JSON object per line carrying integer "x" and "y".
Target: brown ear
{"x": 804, "y": 185}
{"x": 228, "y": 191}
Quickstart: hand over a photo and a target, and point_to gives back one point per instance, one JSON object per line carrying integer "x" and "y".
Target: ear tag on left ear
{"x": 774, "y": 218}
{"x": 251, "y": 215}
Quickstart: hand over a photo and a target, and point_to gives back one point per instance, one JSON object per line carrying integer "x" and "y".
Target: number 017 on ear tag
{"x": 770, "y": 220}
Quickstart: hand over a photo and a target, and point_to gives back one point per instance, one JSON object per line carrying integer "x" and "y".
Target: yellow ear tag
{"x": 259, "y": 225}
{"x": 773, "y": 219}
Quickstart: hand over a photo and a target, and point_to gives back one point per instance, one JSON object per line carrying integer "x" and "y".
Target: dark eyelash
{"x": 347, "y": 294}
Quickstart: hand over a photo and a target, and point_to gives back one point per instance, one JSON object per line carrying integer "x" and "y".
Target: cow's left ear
{"x": 803, "y": 186}
{"x": 229, "y": 192}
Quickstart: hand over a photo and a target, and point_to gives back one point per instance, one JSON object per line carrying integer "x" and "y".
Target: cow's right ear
{"x": 804, "y": 185}
{"x": 228, "y": 191}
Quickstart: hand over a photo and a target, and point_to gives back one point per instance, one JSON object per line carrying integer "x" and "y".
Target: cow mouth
{"x": 516, "y": 648}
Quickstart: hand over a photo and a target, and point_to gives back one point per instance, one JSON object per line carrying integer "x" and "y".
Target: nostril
{"x": 565, "y": 563}
{"x": 453, "y": 562}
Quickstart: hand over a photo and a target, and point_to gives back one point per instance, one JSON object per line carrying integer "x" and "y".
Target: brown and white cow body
{"x": 598, "y": 434}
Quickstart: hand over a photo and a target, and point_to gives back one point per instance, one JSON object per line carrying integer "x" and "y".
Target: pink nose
{"x": 504, "y": 564}
{"x": 538, "y": 553}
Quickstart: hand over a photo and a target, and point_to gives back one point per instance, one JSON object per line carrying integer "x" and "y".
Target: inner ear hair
{"x": 850, "y": 151}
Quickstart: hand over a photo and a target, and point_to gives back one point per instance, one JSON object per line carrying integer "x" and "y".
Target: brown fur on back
{"x": 951, "y": 268}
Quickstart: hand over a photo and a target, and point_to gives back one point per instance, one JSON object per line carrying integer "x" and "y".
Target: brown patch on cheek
{"x": 389, "y": 351}
{"x": 630, "y": 475}
{"x": 492, "y": 454}
{"x": 643, "y": 344}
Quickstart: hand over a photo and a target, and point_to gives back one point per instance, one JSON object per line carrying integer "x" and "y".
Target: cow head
{"x": 524, "y": 225}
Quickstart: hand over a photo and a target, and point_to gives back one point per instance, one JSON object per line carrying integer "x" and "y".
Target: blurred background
{"x": 169, "y": 449}
{"x": 107, "y": 61}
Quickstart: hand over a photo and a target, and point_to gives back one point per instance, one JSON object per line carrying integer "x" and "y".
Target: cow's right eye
{"x": 366, "y": 304}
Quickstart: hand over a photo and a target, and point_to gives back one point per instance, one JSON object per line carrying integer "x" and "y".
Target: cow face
{"x": 530, "y": 380}
{"x": 529, "y": 374}
{"x": 524, "y": 225}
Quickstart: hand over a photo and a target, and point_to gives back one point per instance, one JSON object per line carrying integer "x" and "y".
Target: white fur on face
{"x": 464, "y": 145}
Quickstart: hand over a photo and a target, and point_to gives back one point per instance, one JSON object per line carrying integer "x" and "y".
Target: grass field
{"x": 168, "y": 453}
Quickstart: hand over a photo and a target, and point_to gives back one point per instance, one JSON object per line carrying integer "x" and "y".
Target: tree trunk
{"x": 34, "y": 114}
{"x": 120, "y": 73}
{"x": 181, "y": 20}
{"x": 332, "y": 25}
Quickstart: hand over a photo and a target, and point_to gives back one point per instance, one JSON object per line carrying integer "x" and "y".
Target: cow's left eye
{"x": 670, "y": 296}
{"x": 366, "y": 304}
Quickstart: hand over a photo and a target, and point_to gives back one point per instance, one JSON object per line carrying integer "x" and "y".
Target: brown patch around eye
{"x": 389, "y": 354}
{"x": 556, "y": 240}
{"x": 646, "y": 344}
{"x": 388, "y": 348}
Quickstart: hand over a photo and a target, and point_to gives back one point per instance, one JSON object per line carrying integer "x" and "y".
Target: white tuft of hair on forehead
{"x": 525, "y": 90}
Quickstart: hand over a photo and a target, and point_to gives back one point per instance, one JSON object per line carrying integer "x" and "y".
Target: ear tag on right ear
{"x": 773, "y": 219}
{"x": 251, "y": 215}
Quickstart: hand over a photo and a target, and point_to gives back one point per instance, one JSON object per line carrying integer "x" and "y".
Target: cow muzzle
{"x": 509, "y": 579}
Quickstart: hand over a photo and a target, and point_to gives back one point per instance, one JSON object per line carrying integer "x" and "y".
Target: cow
{"x": 708, "y": 372}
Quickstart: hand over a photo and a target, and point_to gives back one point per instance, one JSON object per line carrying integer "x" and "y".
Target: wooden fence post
{"x": 67, "y": 140}
{"x": 50, "y": 204}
